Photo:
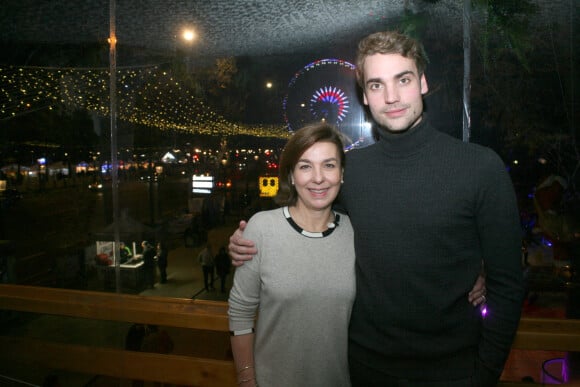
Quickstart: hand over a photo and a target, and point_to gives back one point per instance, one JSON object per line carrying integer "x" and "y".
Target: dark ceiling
{"x": 286, "y": 35}
{"x": 240, "y": 27}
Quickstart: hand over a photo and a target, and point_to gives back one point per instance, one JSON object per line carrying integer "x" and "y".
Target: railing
{"x": 533, "y": 334}
{"x": 168, "y": 312}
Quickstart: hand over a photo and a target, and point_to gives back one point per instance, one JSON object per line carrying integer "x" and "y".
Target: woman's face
{"x": 317, "y": 176}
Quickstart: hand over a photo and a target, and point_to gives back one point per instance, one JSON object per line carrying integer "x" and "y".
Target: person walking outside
{"x": 222, "y": 267}
{"x": 149, "y": 264}
{"x": 161, "y": 258}
{"x": 205, "y": 257}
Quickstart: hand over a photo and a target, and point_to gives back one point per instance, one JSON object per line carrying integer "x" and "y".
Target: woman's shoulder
{"x": 266, "y": 216}
{"x": 343, "y": 219}
{"x": 264, "y": 222}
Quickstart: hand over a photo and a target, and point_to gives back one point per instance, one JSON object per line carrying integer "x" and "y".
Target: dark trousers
{"x": 208, "y": 277}
{"x": 163, "y": 272}
{"x": 223, "y": 282}
{"x": 363, "y": 376}
{"x": 149, "y": 274}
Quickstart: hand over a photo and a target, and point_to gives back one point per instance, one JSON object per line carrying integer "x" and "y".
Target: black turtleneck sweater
{"x": 427, "y": 209}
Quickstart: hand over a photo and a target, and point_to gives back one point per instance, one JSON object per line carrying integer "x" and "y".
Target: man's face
{"x": 393, "y": 91}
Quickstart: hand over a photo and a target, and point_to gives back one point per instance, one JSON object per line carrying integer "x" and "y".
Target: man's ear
{"x": 424, "y": 85}
{"x": 365, "y": 99}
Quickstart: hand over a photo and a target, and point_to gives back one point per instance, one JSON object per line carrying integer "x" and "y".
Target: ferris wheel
{"x": 325, "y": 90}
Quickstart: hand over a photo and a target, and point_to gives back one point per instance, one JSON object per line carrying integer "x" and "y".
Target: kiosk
{"x": 100, "y": 255}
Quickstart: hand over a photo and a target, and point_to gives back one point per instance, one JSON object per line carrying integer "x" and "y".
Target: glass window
{"x": 173, "y": 145}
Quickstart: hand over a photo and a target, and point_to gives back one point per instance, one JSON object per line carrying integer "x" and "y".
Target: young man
{"x": 426, "y": 209}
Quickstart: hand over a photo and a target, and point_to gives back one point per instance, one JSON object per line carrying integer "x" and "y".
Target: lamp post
{"x": 184, "y": 43}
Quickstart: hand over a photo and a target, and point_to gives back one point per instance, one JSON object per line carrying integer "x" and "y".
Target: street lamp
{"x": 188, "y": 35}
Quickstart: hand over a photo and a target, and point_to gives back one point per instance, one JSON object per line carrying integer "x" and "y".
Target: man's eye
{"x": 374, "y": 86}
{"x": 405, "y": 80}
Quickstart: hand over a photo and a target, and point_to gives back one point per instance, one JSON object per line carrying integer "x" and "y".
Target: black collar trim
{"x": 331, "y": 226}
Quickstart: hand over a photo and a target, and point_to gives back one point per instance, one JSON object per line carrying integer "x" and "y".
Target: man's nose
{"x": 391, "y": 94}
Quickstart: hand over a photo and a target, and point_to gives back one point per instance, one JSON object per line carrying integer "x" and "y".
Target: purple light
{"x": 483, "y": 310}
{"x": 555, "y": 371}
{"x": 547, "y": 242}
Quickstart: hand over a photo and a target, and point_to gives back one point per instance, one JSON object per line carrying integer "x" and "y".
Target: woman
{"x": 302, "y": 281}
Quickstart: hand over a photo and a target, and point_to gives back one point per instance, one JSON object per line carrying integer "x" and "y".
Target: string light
{"x": 148, "y": 96}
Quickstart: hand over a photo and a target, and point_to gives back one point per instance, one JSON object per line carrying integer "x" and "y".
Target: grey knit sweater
{"x": 303, "y": 289}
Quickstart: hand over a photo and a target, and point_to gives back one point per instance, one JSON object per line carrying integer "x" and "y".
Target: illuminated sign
{"x": 202, "y": 184}
{"x": 268, "y": 186}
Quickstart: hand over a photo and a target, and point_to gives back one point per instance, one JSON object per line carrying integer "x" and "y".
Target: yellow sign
{"x": 268, "y": 186}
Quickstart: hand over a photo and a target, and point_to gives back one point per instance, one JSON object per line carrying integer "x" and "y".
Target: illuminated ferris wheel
{"x": 325, "y": 90}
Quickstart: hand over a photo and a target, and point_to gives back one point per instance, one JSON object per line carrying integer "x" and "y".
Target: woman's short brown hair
{"x": 303, "y": 139}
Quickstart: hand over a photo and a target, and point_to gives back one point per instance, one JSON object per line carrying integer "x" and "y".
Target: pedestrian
{"x": 148, "y": 264}
{"x": 222, "y": 267}
{"x": 427, "y": 210}
{"x": 124, "y": 252}
{"x": 205, "y": 257}
{"x": 161, "y": 257}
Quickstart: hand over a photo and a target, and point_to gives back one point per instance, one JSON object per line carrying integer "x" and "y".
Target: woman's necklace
{"x": 331, "y": 225}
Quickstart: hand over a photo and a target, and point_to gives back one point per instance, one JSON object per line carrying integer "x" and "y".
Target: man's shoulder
{"x": 361, "y": 152}
{"x": 471, "y": 149}
{"x": 360, "y": 156}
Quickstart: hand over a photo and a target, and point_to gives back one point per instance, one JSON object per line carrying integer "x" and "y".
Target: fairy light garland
{"x": 147, "y": 96}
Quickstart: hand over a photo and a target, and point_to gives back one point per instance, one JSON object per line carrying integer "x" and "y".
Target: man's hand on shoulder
{"x": 241, "y": 249}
